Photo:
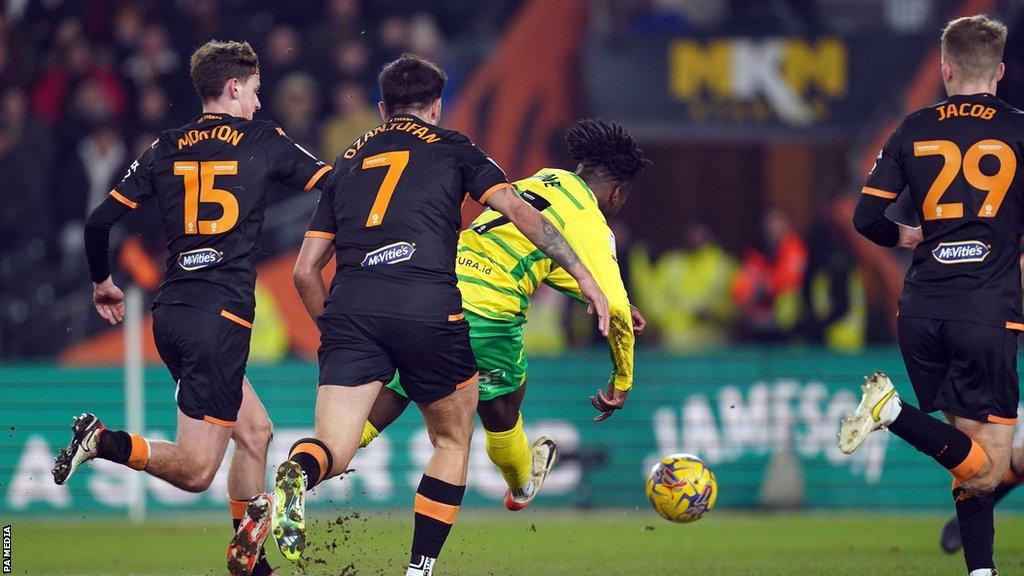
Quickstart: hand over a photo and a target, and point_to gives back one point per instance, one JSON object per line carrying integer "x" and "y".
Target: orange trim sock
{"x": 314, "y": 457}
{"x": 122, "y": 447}
{"x": 950, "y": 447}
{"x": 437, "y": 505}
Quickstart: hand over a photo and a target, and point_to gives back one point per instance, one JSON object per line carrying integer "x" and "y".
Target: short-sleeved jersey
{"x": 392, "y": 206}
{"x": 499, "y": 268}
{"x": 960, "y": 161}
{"x": 210, "y": 178}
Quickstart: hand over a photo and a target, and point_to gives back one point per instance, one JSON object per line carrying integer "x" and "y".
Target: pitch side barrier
{"x": 761, "y": 418}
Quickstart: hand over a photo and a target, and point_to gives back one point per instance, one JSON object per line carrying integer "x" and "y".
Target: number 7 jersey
{"x": 210, "y": 179}
{"x": 960, "y": 161}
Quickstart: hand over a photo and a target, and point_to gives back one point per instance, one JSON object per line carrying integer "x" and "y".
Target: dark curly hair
{"x": 595, "y": 143}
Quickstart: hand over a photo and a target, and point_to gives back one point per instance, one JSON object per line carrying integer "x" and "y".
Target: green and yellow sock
{"x": 510, "y": 452}
{"x": 369, "y": 433}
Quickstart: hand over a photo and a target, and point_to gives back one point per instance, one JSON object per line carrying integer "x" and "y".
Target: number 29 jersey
{"x": 210, "y": 179}
{"x": 960, "y": 161}
{"x": 392, "y": 207}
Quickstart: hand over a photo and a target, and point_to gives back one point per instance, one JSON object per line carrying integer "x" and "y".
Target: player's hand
{"x": 910, "y": 236}
{"x": 607, "y": 403}
{"x": 596, "y": 302}
{"x": 639, "y": 323}
{"x": 109, "y": 300}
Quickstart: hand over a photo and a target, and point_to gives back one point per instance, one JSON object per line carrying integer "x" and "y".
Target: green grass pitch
{"x": 529, "y": 543}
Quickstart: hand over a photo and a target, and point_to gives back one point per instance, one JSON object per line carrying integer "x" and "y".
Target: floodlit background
{"x": 764, "y": 307}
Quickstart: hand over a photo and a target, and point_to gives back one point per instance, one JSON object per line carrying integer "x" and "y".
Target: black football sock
{"x": 315, "y": 459}
{"x": 122, "y": 447}
{"x": 437, "y": 505}
{"x": 114, "y": 445}
{"x": 977, "y": 527}
{"x": 951, "y": 448}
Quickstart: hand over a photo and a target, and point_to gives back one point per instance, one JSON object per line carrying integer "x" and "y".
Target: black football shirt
{"x": 210, "y": 178}
{"x": 960, "y": 160}
{"x": 392, "y": 206}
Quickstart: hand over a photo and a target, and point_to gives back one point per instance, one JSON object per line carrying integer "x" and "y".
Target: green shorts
{"x": 498, "y": 347}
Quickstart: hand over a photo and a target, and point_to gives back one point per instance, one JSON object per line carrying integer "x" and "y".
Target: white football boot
{"x": 545, "y": 453}
{"x": 879, "y": 406}
{"x": 85, "y": 440}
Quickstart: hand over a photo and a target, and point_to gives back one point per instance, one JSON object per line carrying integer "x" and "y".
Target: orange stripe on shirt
{"x": 880, "y": 193}
{"x": 491, "y": 190}
{"x": 433, "y": 509}
{"x": 316, "y": 178}
{"x": 318, "y": 234}
{"x": 124, "y": 199}
{"x": 1015, "y": 326}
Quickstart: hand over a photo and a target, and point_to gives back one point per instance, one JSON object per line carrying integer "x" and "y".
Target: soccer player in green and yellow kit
{"x": 498, "y": 270}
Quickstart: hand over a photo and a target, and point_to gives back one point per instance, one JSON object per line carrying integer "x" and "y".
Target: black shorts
{"x": 206, "y": 354}
{"x": 964, "y": 368}
{"x": 435, "y": 358}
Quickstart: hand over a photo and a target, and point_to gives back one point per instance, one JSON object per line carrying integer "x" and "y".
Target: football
{"x": 682, "y": 488}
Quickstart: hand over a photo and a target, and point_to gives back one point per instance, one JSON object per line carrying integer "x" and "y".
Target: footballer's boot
{"x": 879, "y": 406}
{"x": 950, "y": 540}
{"x": 245, "y": 547}
{"x": 85, "y": 441}
{"x": 544, "y": 452}
{"x": 289, "y": 522}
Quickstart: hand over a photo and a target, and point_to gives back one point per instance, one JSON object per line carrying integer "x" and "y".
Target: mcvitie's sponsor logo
{"x": 960, "y": 252}
{"x": 390, "y": 254}
{"x": 198, "y": 259}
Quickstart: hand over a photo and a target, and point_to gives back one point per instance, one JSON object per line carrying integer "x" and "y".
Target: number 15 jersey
{"x": 210, "y": 179}
{"x": 960, "y": 161}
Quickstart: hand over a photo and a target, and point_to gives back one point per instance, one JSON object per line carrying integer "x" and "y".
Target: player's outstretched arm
{"x": 106, "y": 296}
{"x": 550, "y": 241}
{"x": 313, "y": 256}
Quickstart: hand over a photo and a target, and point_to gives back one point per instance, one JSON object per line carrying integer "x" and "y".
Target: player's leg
{"x": 498, "y": 347}
{"x": 439, "y": 495}
{"x": 949, "y": 539}
{"x": 206, "y": 354}
{"x": 923, "y": 348}
{"x": 353, "y": 368}
{"x": 246, "y": 480}
{"x": 439, "y": 373}
{"x": 973, "y": 497}
{"x": 340, "y": 415}
{"x": 390, "y": 404}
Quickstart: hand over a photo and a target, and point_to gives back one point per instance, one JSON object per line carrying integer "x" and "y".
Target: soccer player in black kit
{"x": 960, "y": 311}
{"x": 209, "y": 178}
{"x": 390, "y": 212}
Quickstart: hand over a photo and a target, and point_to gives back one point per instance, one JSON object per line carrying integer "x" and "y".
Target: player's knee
{"x": 255, "y": 436}
{"x": 200, "y": 479}
{"x": 456, "y": 439}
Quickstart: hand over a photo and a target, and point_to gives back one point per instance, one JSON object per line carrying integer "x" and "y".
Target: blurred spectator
{"x": 24, "y": 218}
{"x": 353, "y": 115}
{"x": 351, "y": 61}
{"x": 296, "y": 103}
{"x": 767, "y": 289}
{"x": 33, "y": 139}
{"x": 153, "y": 61}
{"x": 282, "y": 54}
{"x": 83, "y": 180}
{"x": 392, "y": 40}
{"x": 74, "y": 67}
{"x": 685, "y": 294}
{"x": 343, "y": 21}
{"x": 834, "y": 307}
{"x": 152, "y": 113}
